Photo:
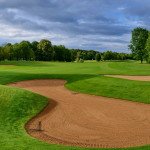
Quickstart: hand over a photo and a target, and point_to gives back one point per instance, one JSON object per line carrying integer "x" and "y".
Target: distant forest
{"x": 45, "y": 51}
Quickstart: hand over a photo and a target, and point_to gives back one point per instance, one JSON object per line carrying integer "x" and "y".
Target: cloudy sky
{"x": 87, "y": 24}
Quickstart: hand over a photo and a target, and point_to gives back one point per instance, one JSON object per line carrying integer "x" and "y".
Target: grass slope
{"x": 18, "y": 106}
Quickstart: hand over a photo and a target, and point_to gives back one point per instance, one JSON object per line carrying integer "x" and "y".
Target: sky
{"x": 86, "y": 24}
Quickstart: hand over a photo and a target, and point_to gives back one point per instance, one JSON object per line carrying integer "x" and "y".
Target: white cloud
{"x": 100, "y": 25}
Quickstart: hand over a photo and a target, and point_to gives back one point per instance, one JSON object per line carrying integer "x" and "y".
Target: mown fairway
{"x": 18, "y": 106}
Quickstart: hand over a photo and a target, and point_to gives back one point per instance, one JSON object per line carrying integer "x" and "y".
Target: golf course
{"x": 72, "y": 99}
{"x": 74, "y": 75}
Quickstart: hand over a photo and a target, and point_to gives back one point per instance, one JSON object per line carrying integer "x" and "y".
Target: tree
{"x": 78, "y": 56}
{"x": 1, "y": 54}
{"x": 73, "y": 55}
{"x": 59, "y": 53}
{"x": 91, "y": 55}
{"x": 138, "y": 43}
{"x": 34, "y": 45}
{"x": 67, "y": 54}
{"x": 46, "y": 50}
{"x": 18, "y": 55}
{"x": 108, "y": 55}
{"x": 98, "y": 57}
{"x": 36, "y": 53}
{"x": 8, "y": 51}
{"x": 26, "y": 48}
{"x": 148, "y": 49}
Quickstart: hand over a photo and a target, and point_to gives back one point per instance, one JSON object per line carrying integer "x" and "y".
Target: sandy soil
{"x": 138, "y": 78}
{"x": 85, "y": 120}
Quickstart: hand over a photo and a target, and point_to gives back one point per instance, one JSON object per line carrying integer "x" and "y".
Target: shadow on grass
{"x": 27, "y": 63}
{"x": 9, "y": 77}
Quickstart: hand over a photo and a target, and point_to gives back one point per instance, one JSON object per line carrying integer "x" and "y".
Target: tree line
{"x": 140, "y": 44}
{"x": 45, "y": 51}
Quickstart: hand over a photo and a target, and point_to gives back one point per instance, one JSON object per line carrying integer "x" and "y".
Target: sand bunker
{"x": 85, "y": 120}
{"x": 138, "y": 78}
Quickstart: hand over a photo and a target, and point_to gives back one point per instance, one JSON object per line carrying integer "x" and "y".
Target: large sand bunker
{"x": 85, "y": 120}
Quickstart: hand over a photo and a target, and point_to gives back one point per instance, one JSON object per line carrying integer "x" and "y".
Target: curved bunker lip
{"x": 84, "y": 120}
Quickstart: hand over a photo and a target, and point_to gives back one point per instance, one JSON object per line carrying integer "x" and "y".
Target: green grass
{"x": 18, "y": 106}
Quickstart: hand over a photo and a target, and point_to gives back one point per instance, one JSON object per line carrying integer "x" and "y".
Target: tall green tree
{"x": 108, "y": 55}
{"x": 78, "y": 57}
{"x": 148, "y": 49}
{"x": 1, "y": 53}
{"x": 59, "y": 54}
{"x": 138, "y": 43}
{"x": 91, "y": 55}
{"x": 18, "y": 55}
{"x": 26, "y": 48}
{"x": 73, "y": 55}
{"x": 46, "y": 50}
{"x": 8, "y": 51}
{"x": 67, "y": 55}
{"x": 98, "y": 57}
{"x": 36, "y": 52}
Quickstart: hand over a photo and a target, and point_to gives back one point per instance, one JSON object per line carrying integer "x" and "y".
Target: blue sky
{"x": 87, "y": 24}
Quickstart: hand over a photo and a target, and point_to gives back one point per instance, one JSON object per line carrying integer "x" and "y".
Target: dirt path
{"x": 85, "y": 120}
{"x": 138, "y": 78}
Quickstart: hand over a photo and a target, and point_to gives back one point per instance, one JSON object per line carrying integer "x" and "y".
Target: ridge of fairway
{"x": 85, "y": 120}
{"x": 136, "y": 78}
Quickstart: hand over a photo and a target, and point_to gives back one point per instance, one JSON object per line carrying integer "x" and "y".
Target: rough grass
{"x": 18, "y": 106}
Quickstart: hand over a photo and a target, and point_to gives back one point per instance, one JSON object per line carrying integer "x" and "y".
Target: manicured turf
{"x": 18, "y": 106}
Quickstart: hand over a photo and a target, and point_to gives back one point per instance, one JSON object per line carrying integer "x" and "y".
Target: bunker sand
{"x": 87, "y": 121}
{"x": 138, "y": 78}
